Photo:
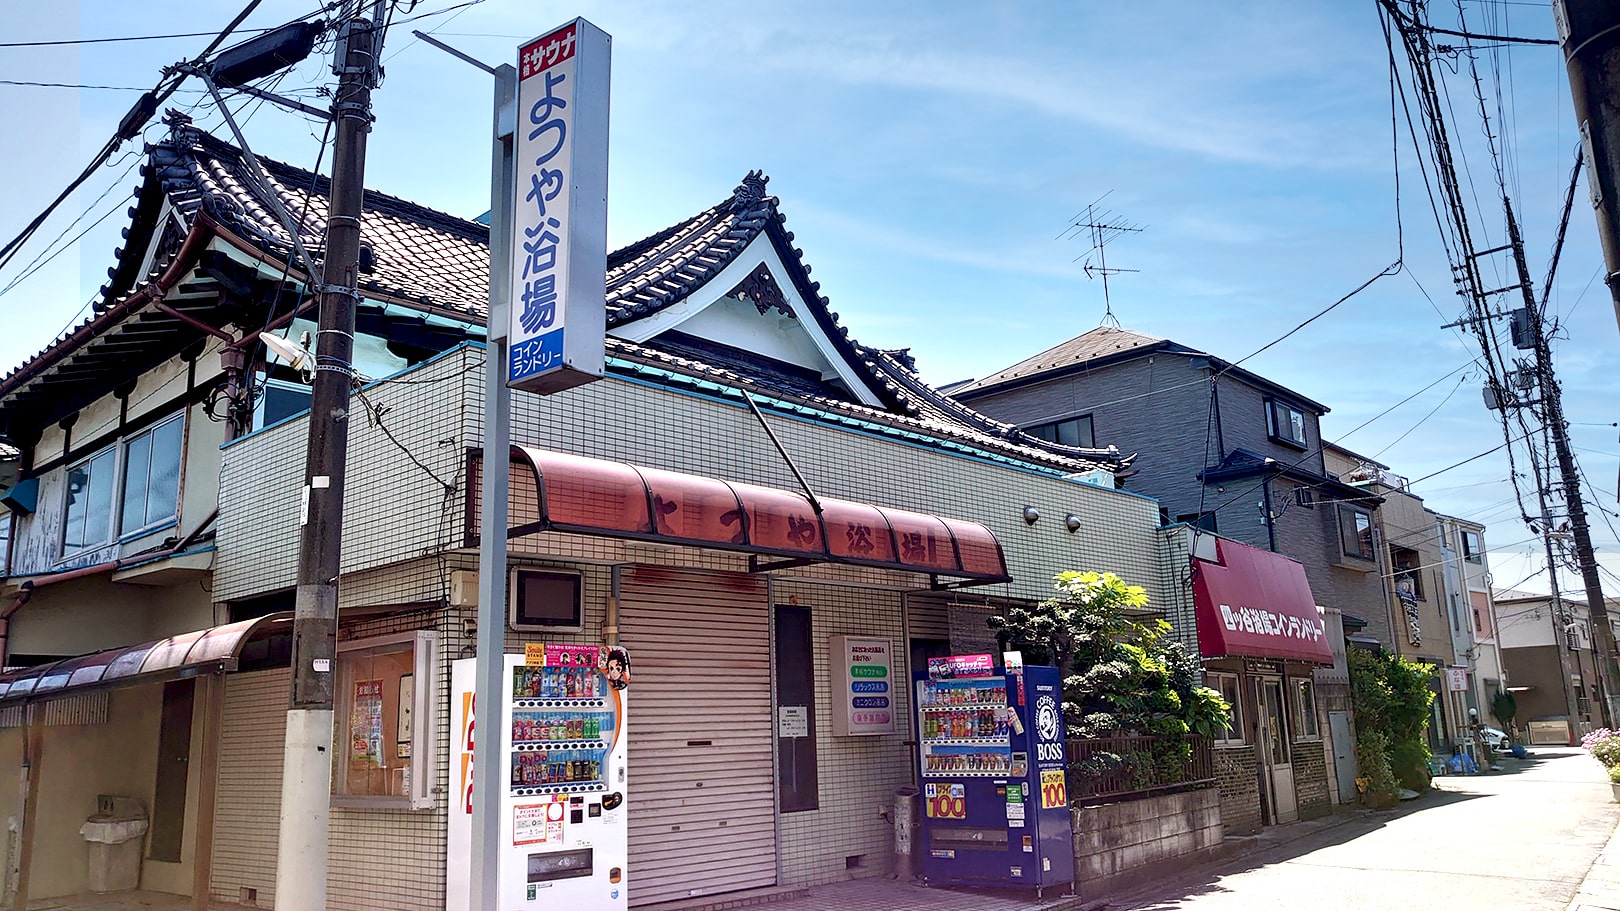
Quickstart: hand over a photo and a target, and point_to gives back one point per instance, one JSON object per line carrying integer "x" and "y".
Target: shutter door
{"x": 702, "y": 812}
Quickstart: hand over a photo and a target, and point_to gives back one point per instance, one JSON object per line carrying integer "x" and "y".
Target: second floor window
{"x": 1070, "y": 432}
{"x": 1471, "y": 546}
{"x": 127, "y": 487}
{"x": 1355, "y": 530}
{"x": 1285, "y": 423}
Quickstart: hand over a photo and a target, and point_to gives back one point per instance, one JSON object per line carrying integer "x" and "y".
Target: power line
{"x": 69, "y": 41}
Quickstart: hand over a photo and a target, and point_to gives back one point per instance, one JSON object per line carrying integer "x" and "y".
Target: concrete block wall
{"x": 1311, "y": 779}
{"x": 1115, "y": 838}
{"x": 1238, "y": 773}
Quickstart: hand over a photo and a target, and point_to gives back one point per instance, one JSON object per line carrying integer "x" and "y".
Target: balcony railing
{"x": 1116, "y": 767}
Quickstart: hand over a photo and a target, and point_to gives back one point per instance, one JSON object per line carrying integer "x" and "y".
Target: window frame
{"x": 1473, "y": 546}
{"x": 1306, "y": 726}
{"x": 1414, "y": 571}
{"x": 1234, "y": 733}
{"x": 1346, "y": 510}
{"x": 424, "y": 647}
{"x": 514, "y": 618}
{"x": 1276, "y": 410}
{"x": 1090, "y": 424}
{"x": 119, "y": 449}
{"x": 114, "y": 498}
{"x": 1203, "y": 521}
{"x": 269, "y": 382}
{"x": 123, "y": 478}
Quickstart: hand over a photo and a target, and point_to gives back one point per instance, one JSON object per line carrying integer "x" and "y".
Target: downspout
{"x": 610, "y": 622}
{"x": 28, "y": 588}
{"x": 1271, "y": 523}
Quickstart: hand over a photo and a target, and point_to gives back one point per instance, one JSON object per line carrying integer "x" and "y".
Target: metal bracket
{"x": 756, "y": 565}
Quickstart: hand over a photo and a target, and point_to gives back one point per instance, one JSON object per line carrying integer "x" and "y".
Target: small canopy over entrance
{"x": 209, "y": 651}
{"x": 618, "y": 500}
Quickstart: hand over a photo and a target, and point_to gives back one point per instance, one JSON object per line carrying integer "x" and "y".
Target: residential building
{"x": 155, "y": 557}
{"x": 1228, "y": 452}
{"x": 1551, "y": 670}
{"x": 1468, "y": 586}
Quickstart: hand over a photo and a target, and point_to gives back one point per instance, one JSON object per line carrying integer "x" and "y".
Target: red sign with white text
{"x": 1257, "y": 604}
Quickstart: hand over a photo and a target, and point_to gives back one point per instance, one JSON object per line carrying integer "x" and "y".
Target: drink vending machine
{"x": 994, "y": 793}
{"x": 564, "y": 832}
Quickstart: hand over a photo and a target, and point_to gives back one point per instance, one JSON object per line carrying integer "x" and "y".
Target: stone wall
{"x": 1236, "y": 770}
{"x": 1114, "y": 841}
{"x": 1311, "y": 779}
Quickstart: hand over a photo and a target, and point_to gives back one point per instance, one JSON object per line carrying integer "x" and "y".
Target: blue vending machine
{"x": 995, "y": 806}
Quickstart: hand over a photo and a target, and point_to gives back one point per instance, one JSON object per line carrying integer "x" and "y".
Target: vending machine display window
{"x": 383, "y": 710}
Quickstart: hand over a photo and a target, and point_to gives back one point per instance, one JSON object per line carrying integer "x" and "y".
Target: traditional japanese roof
{"x": 437, "y": 263}
{"x": 1104, "y": 346}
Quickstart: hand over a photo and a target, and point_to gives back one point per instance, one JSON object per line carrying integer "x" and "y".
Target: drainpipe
{"x": 610, "y": 624}
{"x": 111, "y": 566}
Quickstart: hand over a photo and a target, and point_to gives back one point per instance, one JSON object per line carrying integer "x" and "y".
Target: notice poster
{"x": 365, "y": 723}
{"x": 539, "y": 823}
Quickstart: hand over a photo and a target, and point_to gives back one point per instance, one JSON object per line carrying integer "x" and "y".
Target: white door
{"x": 703, "y": 805}
{"x": 1275, "y": 757}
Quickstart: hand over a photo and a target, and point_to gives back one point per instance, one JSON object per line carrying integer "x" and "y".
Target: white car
{"x": 1494, "y": 738}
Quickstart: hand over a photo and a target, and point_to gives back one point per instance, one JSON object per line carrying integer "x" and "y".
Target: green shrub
{"x": 1372, "y": 754}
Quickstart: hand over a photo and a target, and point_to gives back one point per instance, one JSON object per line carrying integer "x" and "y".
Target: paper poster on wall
{"x": 365, "y": 723}
{"x": 793, "y": 721}
{"x": 404, "y": 720}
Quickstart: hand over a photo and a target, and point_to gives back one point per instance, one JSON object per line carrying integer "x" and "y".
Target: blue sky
{"x": 928, "y": 155}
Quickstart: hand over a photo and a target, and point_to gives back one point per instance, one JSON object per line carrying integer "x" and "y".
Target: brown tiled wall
{"x": 1240, "y": 789}
{"x": 1310, "y": 779}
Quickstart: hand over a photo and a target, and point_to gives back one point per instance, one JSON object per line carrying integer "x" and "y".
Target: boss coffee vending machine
{"x": 994, "y": 796}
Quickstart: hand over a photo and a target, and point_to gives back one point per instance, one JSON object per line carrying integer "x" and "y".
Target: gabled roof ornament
{"x": 751, "y": 192}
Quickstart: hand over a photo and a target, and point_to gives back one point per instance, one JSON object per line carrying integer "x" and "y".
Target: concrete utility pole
{"x": 1589, "y": 31}
{"x": 306, "y": 785}
{"x": 1552, "y": 406}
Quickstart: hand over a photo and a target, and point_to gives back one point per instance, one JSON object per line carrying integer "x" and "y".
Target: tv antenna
{"x": 1101, "y": 226}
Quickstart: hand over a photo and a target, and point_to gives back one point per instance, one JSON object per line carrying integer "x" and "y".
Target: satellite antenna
{"x": 1100, "y": 226}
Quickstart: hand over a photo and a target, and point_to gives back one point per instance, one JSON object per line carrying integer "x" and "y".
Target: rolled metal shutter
{"x": 702, "y": 811}
{"x": 247, "y": 811}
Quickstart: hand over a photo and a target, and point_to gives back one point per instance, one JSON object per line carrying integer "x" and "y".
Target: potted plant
{"x": 1614, "y": 782}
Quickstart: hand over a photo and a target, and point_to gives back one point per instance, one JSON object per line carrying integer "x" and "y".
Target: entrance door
{"x": 174, "y": 755}
{"x": 1277, "y": 770}
{"x": 702, "y": 795}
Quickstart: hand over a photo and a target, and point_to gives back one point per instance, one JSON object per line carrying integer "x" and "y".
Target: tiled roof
{"x": 439, "y": 261}
{"x": 1100, "y": 342}
{"x": 420, "y": 254}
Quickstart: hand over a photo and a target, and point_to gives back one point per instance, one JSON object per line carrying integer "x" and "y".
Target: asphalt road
{"x": 1520, "y": 839}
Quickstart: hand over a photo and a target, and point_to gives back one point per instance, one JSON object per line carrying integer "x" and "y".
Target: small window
{"x": 152, "y": 477}
{"x": 1355, "y": 532}
{"x": 89, "y": 514}
{"x": 1472, "y": 548}
{"x": 546, "y": 600}
{"x": 1305, "y": 727}
{"x": 385, "y": 702}
{"x": 1227, "y": 684}
{"x": 279, "y": 400}
{"x": 1201, "y": 520}
{"x": 1070, "y": 432}
{"x": 1285, "y": 423}
{"x": 1408, "y": 574}
{"x": 1305, "y": 496}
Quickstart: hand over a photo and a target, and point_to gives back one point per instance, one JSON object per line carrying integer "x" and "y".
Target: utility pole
{"x": 1589, "y": 31}
{"x": 306, "y": 785}
{"x": 1574, "y": 504}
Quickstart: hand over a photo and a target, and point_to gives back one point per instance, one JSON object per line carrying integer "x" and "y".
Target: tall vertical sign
{"x": 557, "y": 319}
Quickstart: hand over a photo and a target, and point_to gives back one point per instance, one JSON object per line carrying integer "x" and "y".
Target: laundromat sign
{"x": 863, "y": 681}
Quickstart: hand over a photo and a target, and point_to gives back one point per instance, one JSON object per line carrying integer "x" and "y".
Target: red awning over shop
{"x": 1256, "y": 604}
{"x": 618, "y": 500}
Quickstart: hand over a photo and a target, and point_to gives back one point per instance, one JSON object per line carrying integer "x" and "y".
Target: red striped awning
{"x": 618, "y": 500}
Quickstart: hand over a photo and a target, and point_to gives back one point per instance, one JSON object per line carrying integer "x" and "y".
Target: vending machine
{"x": 992, "y": 767}
{"x": 563, "y": 806}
